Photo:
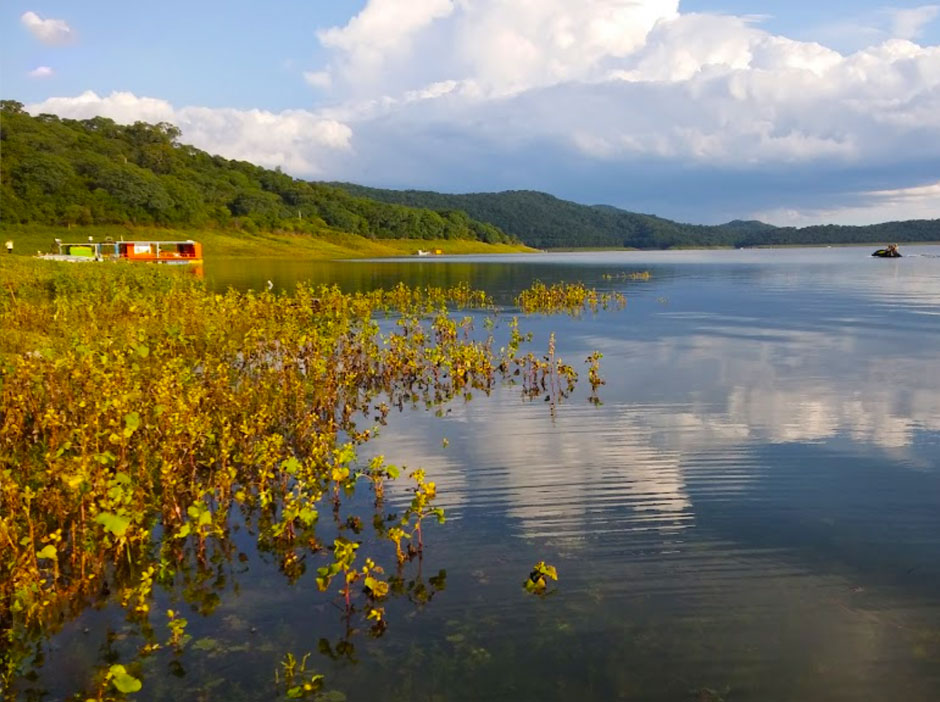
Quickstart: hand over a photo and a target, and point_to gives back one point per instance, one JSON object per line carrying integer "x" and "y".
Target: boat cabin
{"x": 149, "y": 251}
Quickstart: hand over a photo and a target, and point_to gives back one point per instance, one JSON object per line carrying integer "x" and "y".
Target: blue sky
{"x": 701, "y": 110}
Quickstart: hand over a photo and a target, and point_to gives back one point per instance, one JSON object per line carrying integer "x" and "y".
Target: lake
{"x": 751, "y": 513}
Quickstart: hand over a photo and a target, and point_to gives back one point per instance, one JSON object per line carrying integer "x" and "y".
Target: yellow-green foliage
{"x": 138, "y": 411}
{"x": 568, "y": 297}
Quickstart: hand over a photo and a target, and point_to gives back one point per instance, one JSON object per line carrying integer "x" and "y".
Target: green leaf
{"x": 392, "y": 471}
{"x": 295, "y": 692}
{"x": 115, "y": 523}
{"x": 291, "y": 465}
{"x": 63, "y": 448}
{"x": 143, "y": 350}
{"x": 131, "y": 423}
{"x": 47, "y": 552}
{"x": 123, "y": 681}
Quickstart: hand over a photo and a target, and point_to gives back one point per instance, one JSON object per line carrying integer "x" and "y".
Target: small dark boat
{"x": 890, "y": 252}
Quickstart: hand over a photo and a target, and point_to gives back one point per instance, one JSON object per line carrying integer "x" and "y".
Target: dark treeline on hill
{"x": 95, "y": 171}
{"x": 544, "y": 221}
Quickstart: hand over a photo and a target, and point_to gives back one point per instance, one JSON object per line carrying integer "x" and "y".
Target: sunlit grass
{"x": 328, "y": 244}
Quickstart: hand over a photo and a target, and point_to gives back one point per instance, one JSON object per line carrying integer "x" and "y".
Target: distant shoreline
{"x": 232, "y": 243}
{"x": 332, "y": 245}
{"x": 763, "y": 247}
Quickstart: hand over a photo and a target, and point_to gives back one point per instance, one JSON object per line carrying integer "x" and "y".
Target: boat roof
{"x": 125, "y": 241}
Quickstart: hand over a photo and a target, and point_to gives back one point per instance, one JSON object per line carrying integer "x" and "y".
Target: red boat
{"x": 172, "y": 252}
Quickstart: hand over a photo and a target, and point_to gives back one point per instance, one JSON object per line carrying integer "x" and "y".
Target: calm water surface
{"x": 753, "y": 513}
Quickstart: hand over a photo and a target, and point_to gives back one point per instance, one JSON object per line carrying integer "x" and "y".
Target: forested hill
{"x": 95, "y": 171}
{"x": 544, "y": 221}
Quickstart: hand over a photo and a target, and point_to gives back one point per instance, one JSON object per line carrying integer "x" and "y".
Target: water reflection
{"x": 797, "y": 387}
{"x": 550, "y": 478}
{"x": 752, "y": 514}
{"x": 755, "y": 502}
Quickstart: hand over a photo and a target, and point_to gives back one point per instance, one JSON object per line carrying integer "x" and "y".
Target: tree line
{"x": 544, "y": 221}
{"x": 95, "y": 171}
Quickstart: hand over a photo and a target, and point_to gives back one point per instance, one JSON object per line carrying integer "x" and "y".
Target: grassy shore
{"x": 328, "y": 244}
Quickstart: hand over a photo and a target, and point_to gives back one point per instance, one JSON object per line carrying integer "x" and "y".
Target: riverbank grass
{"x": 327, "y": 245}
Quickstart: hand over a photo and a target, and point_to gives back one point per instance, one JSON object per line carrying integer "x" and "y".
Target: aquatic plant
{"x": 298, "y": 683}
{"x": 572, "y": 298}
{"x": 177, "y": 626}
{"x": 142, "y": 416}
{"x": 537, "y": 582}
{"x": 633, "y": 275}
{"x": 420, "y": 507}
{"x": 594, "y": 378}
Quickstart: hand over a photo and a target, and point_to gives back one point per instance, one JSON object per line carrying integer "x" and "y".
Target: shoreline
{"x": 330, "y": 245}
{"x": 763, "y": 247}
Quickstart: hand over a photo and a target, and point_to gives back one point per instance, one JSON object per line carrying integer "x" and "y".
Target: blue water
{"x": 752, "y": 513}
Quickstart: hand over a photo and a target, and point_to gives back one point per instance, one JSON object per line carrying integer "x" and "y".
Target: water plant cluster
{"x": 627, "y": 275}
{"x": 568, "y": 297}
{"x": 143, "y": 416}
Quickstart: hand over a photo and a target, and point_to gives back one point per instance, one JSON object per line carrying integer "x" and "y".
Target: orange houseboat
{"x": 173, "y": 252}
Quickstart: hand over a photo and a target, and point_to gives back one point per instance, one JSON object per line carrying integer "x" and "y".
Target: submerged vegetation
{"x": 145, "y": 419}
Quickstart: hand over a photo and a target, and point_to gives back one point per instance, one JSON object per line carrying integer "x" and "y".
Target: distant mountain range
{"x": 544, "y": 221}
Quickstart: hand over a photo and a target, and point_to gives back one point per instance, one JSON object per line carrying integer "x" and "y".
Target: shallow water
{"x": 753, "y": 513}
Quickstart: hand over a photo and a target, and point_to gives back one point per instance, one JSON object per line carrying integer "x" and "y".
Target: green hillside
{"x": 61, "y": 172}
{"x": 65, "y": 172}
{"x": 544, "y": 221}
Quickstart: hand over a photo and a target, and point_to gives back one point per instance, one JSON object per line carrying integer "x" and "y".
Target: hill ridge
{"x": 95, "y": 171}
{"x": 547, "y": 221}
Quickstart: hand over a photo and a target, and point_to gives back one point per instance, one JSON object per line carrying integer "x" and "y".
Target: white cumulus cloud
{"x": 41, "y": 72}
{"x": 908, "y": 23}
{"x": 618, "y": 101}
{"x": 874, "y": 26}
{"x": 318, "y": 79}
{"x": 918, "y": 202}
{"x": 48, "y": 31}
{"x": 296, "y": 140}
{"x": 618, "y": 78}
{"x": 610, "y": 87}
{"x": 502, "y": 46}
